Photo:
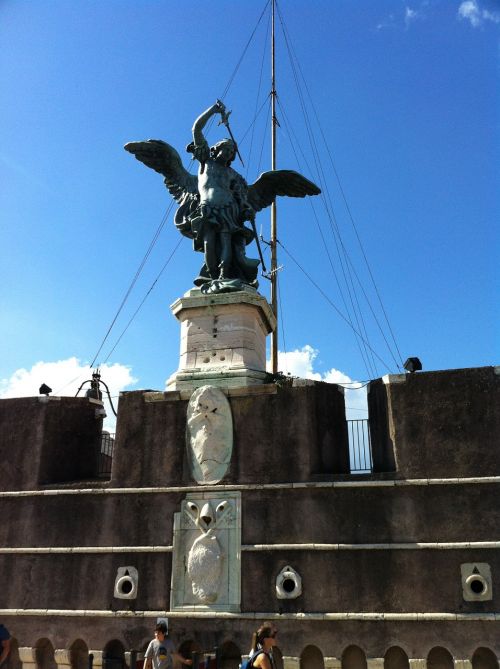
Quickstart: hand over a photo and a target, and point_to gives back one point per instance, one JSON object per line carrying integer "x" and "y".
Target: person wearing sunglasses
{"x": 263, "y": 642}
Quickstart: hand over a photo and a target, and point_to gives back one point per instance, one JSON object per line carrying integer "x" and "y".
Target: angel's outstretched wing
{"x": 164, "y": 159}
{"x": 279, "y": 182}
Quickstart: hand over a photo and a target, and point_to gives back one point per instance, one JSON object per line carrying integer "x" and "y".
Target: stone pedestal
{"x": 223, "y": 339}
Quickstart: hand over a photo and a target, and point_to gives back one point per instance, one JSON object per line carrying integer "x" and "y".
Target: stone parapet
{"x": 333, "y": 663}
{"x": 96, "y": 658}
{"x": 417, "y": 663}
{"x": 375, "y": 662}
{"x": 436, "y": 424}
{"x": 27, "y": 656}
{"x": 62, "y": 658}
{"x": 291, "y": 662}
{"x": 462, "y": 664}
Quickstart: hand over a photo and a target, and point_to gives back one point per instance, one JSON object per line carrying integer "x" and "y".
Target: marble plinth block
{"x": 223, "y": 339}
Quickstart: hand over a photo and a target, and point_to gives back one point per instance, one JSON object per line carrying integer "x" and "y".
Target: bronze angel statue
{"x": 215, "y": 204}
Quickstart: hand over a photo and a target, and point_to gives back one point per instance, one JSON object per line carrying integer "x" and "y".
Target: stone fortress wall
{"x": 393, "y": 569}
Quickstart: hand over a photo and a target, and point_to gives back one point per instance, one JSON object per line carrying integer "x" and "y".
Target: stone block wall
{"x": 280, "y": 434}
{"x": 437, "y": 424}
{"x": 48, "y": 440}
{"x": 379, "y": 555}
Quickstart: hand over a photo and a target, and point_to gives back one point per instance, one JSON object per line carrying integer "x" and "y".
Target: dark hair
{"x": 265, "y": 631}
{"x": 161, "y": 627}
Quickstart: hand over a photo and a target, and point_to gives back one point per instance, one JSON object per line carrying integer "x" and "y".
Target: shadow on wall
{"x": 229, "y": 656}
{"x": 396, "y": 658}
{"x": 79, "y": 655}
{"x": 484, "y": 658}
{"x": 44, "y": 655}
{"x": 113, "y": 655}
{"x": 311, "y": 658}
{"x": 439, "y": 658}
{"x": 186, "y": 649}
{"x": 353, "y": 658}
{"x": 13, "y": 661}
{"x": 278, "y": 658}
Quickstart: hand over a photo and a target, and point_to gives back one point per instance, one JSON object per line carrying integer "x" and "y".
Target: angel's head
{"x": 224, "y": 151}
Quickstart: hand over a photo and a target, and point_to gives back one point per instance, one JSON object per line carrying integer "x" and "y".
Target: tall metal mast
{"x": 274, "y": 261}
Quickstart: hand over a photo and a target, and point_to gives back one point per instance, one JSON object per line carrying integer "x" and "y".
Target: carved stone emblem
{"x": 206, "y": 556}
{"x": 209, "y": 435}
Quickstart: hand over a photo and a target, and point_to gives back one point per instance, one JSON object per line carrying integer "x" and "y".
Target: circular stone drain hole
{"x": 126, "y": 587}
{"x": 477, "y": 586}
{"x": 288, "y": 585}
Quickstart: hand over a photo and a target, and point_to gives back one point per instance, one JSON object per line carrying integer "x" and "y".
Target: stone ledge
{"x": 194, "y": 298}
{"x": 351, "y": 616}
{"x": 239, "y": 391}
{"x": 255, "y": 548}
{"x": 187, "y": 381}
{"x": 391, "y": 483}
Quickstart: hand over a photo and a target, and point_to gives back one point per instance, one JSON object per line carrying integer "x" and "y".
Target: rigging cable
{"x": 264, "y": 136}
{"x": 325, "y": 245}
{"x": 167, "y": 213}
{"x": 159, "y": 230}
{"x": 344, "y": 198}
{"x": 256, "y": 112}
{"x": 181, "y": 239}
{"x": 290, "y": 133}
{"x": 250, "y": 127}
{"x": 331, "y": 303}
{"x": 326, "y": 199}
{"x": 134, "y": 280}
{"x": 231, "y": 78}
{"x": 280, "y": 307}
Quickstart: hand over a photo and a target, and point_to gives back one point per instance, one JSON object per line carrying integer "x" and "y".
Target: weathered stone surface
{"x": 365, "y": 581}
{"x": 442, "y": 423}
{"x": 292, "y": 434}
{"x": 209, "y": 435}
{"x": 332, "y": 637}
{"x": 206, "y": 559}
{"x": 222, "y": 336}
{"x": 48, "y": 440}
{"x": 404, "y": 514}
{"x": 271, "y": 432}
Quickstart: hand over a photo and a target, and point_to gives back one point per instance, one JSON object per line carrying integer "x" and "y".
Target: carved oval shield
{"x": 209, "y": 434}
{"x": 204, "y": 568}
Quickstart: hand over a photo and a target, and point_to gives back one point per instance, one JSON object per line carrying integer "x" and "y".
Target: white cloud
{"x": 65, "y": 377}
{"x": 300, "y": 363}
{"x": 410, "y": 15}
{"x": 469, "y": 10}
{"x": 388, "y": 22}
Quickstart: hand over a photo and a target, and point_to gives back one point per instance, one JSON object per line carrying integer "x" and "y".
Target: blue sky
{"x": 406, "y": 98}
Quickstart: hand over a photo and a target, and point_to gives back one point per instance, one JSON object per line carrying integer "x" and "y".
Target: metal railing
{"x": 360, "y": 451}
{"x": 105, "y": 459}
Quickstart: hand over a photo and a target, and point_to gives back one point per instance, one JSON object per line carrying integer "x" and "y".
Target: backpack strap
{"x": 255, "y": 654}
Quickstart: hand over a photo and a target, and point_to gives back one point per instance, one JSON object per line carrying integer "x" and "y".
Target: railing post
{"x": 360, "y": 452}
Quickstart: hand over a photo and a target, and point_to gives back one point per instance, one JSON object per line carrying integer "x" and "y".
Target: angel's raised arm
{"x": 200, "y": 145}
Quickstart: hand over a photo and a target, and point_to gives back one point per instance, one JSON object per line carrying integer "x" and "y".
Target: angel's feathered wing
{"x": 279, "y": 182}
{"x": 164, "y": 159}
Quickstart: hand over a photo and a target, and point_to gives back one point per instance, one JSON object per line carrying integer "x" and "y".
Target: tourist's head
{"x": 160, "y": 631}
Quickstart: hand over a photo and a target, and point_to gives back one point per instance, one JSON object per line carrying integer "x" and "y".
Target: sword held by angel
{"x": 215, "y": 204}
